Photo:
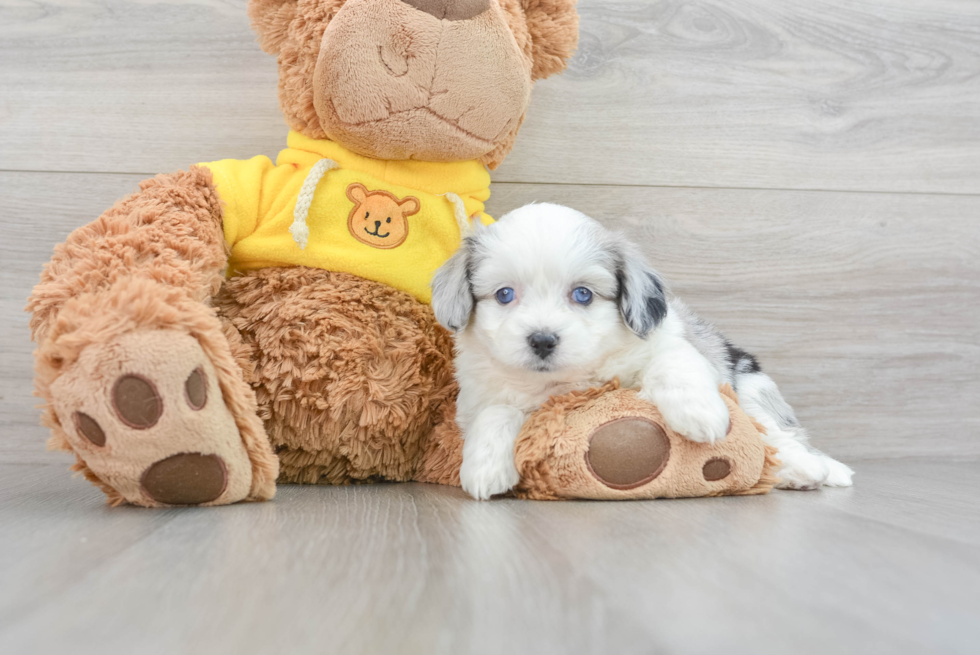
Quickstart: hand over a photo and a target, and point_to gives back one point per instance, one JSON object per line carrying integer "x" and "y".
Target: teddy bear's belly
{"x": 349, "y": 374}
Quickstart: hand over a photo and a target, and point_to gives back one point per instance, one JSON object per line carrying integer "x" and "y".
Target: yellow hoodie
{"x": 393, "y": 222}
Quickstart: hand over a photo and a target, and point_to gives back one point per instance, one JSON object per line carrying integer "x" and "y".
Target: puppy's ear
{"x": 641, "y": 296}
{"x": 452, "y": 294}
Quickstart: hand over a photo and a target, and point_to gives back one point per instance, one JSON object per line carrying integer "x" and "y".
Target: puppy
{"x": 546, "y": 301}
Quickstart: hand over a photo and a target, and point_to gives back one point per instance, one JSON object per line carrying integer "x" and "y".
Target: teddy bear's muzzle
{"x": 451, "y": 9}
{"x": 435, "y": 80}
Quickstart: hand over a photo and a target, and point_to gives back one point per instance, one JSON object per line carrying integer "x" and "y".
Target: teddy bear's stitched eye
{"x": 367, "y": 215}
{"x": 581, "y": 295}
{"x": 505, "y": 295}
{"x": 389, "y": 220}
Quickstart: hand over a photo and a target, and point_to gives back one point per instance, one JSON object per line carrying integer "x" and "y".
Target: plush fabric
{"x": 259, "y": 198}
{"x": 553, "y": 31}
{"x": 350, "y": 375}
{"x": 144, "y": 266}
{"x": 138, "y": 326}
{"x": 163, "y": 360}
{"x": 392, "y": 81}
{"x": 552, "y": 451}
{"x": 171, "y": 227}
{"x": 399, "y": 83}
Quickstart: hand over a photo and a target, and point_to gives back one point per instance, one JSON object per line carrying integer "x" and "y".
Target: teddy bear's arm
{"x": 136, "y": 371}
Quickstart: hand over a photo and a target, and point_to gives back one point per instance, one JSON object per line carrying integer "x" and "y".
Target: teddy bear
{"x": 245, "y": 322}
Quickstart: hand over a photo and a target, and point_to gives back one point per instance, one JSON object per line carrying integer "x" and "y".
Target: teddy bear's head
{"x": 434, "y": 80}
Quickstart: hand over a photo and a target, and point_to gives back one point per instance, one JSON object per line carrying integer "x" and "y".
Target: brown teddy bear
{"x": 248, "y": 321}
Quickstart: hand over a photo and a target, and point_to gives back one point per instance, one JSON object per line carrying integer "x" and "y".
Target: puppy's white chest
{"x": 626, "y": 365}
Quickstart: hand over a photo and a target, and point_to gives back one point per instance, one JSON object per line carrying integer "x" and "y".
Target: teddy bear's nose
{"x": 451, "y": 9}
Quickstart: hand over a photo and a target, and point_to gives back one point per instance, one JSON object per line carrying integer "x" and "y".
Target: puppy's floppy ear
{"x": 452, "y": 294}
{"x": 640, "y": 295}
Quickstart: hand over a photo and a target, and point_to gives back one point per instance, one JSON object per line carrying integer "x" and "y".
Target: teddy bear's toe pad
{"x": 716, "y": 468}
{"x": 89, "y": 428}
{"x": 137, "y": 402}
{"x": 628, "y": 452}
{"x": 146, "y": 415}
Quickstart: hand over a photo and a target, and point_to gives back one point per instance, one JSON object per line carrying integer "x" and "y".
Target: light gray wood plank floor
{"x": 890, "y": 566}
{"x": 807, "y": 175}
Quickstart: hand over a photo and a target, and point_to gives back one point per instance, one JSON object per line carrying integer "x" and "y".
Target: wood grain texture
{"x": 885, "y": 567}
{"x": 803, "y": 94}
{"x": 818, "y": 94}
{"x": 864, "y": 307}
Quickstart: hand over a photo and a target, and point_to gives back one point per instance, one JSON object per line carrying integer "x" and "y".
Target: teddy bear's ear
{"x": 553, "y": 27}
{"x": 357, "y": 193}
{"x": 409, "y": 206}
{"x": 270, "y": 20}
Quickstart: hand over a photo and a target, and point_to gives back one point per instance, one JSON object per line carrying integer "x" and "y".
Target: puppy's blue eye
{"x": 505, "y": 295}
{"x": 581, "y": 295}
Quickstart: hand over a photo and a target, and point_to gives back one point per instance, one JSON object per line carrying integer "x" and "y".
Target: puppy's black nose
{"x": 543, "y": 343}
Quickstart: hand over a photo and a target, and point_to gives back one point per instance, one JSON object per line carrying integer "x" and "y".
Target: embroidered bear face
{"x": 378, "y": 218}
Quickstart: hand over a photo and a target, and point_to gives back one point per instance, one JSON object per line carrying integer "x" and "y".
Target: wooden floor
{"x": 806, "y": 173}
{"x": 890, "y": 566}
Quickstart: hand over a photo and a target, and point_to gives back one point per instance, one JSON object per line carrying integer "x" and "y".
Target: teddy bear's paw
{"x": 627, "y": 452}
{"x": 145, "y": 413}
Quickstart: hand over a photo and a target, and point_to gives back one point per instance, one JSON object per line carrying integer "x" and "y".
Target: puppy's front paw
{"x": 701, "y": 417}
{"x": 802, "y": 470}
{"x": 486, "y": 477}
{"x": 839, "y": 474}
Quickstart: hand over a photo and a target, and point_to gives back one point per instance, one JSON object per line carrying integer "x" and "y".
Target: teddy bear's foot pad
{"x": 185, "y": 479}
{"x": 145, "y": 414}
{"x": 627, "y": 452}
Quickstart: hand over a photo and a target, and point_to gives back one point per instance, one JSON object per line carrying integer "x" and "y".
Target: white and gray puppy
{"x": 546, "y": 301}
